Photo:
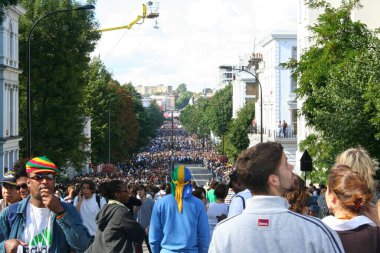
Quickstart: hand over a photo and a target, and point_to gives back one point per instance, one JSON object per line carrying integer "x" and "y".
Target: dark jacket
{"x": 365, "y": 238}
{"x": 116, "y": 230}
{"x": 132, "y": 201}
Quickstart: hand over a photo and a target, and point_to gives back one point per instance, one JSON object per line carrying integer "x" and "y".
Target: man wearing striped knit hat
{"x": 179, "y": 221}
{"x": 41, "y": 222}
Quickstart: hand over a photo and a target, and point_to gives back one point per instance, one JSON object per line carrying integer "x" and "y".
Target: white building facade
{"x": 227, "y": 75}
{"x": 278, "y": 86}
{"x": 306, "y": 17}
{"x": 9, "y": 88}
{"x": 279, "y": 100}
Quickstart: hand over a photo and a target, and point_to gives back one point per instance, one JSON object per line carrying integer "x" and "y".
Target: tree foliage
{"x": 213, "y": 114}
{"x": 339, "y": 80}
{"x": 96, "y": 102}
{"x": 183, "y": 96}
{"x": 125, "y": 124}
{"x": 194, "y": 120}
{"x": 60, "y": 53}
{"x": 237, "y": 136}
{"x": 116, "y": 110}
{"x": 219, "y": 113}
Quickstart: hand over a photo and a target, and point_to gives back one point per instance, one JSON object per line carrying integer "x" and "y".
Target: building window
{"x": 12, "y": 113}
{"x": 294, "y": 121}
{"x": 11, "y": 43}
{"x": 294, "y": 52}
{"x": 293, "y": 84}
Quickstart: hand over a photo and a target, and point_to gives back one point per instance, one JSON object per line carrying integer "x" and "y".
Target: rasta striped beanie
{"x": 41, "y": 164}
{"x": 180, "y": 184}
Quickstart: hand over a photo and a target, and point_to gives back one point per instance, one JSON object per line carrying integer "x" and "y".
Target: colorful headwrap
{"x": 41, "y": 164}
{"x": 181, "y": 187}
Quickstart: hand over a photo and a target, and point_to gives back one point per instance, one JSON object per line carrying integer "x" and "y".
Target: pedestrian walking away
{"x": 266, "y": 224}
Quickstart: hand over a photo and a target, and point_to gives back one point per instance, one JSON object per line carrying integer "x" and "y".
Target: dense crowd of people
{"x": 260, "y": 207}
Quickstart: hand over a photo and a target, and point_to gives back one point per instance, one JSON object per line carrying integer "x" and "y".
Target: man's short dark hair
{"x": 90, "y": 183}
{"x": 141, "y": 187}
{"x": 221, "y": 191}
{"x": 21, "y": 172}
{"x": 257, "y": 163}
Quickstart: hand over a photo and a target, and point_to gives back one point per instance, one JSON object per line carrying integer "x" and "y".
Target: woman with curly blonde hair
{"x": 359, "y": 160}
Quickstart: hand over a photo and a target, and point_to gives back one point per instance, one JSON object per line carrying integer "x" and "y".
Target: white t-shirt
{"x": 160, "y": 194}
{"x": 38, "y": 228}
{"x": 88, "y": 211}
{"x": 215, "y": 209}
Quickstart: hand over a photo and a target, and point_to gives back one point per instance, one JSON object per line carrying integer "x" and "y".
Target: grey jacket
{"x": 117, "y": 231}
{"x": 266, "y": 225}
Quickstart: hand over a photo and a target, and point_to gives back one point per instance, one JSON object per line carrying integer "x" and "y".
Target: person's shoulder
{"x": 102, "y": 199}
{"x": 225, "y": 225}
{"x": 306, "y": 220}
{"x": 116, "y": 210}
{"x": 196, "y": 201}
{"x": 149, "y": 201}
{"x": 164, "y": 200}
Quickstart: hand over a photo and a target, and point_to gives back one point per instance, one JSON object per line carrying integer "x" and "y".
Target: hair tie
{"x": 358, "y": 205}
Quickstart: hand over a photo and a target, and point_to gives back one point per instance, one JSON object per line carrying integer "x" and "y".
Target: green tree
{"x": 60, "y": 54}
{"x": 96, "y": 101}
{"x": 194, "y": 120}
{"x": 213, "y": 114}
{"x": 188, "y": 118}
{"x": 125, "y": 125}
{"x": 338, "y": 81}
{"x": 149, "y": 118}
{"x": 155, "y": 116}
{"x": 219, "y": 111}
{"x": 181, "y": 88}
{"x": 237, "y": 136}
{"x": 184, "y": 96}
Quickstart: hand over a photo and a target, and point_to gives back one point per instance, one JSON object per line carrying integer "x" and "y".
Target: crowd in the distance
{"x": 256, "y": 205}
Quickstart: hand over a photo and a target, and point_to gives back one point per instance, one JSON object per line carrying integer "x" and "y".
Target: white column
{"x": 16, "y": 112}
{"x": 6, "y": 110}
{"x": 1, "y": 164}
{"x": 11, "y": 111}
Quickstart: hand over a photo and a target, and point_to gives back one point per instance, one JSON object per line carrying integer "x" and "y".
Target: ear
{"x": 273, "y": 180}
{"x": 28, "y": 182}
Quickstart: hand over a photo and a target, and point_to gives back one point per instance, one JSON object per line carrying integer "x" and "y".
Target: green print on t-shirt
{"x": 42, "y": 239}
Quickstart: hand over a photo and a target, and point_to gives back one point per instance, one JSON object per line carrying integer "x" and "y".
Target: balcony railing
{"x": 273, "y": 133}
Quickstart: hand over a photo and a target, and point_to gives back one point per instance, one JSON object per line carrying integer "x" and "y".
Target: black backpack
{"x": 98, "y": 197}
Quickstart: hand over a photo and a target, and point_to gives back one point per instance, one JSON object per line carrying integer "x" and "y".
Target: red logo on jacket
{"x": 263, "y": 222}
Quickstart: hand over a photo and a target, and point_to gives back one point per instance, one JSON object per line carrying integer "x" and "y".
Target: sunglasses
{"x": 23, "y": 186}
{"x": 39, "y": 177}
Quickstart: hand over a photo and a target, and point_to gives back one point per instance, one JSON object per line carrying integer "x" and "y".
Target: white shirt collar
{"x": 344, "y": 225}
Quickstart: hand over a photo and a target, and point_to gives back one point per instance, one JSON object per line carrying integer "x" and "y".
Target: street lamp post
{"x": 28, "y": 90}
{"x": 261, "y": 100}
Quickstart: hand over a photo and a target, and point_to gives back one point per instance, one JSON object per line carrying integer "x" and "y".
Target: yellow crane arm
{"x": 127, "y": 26}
